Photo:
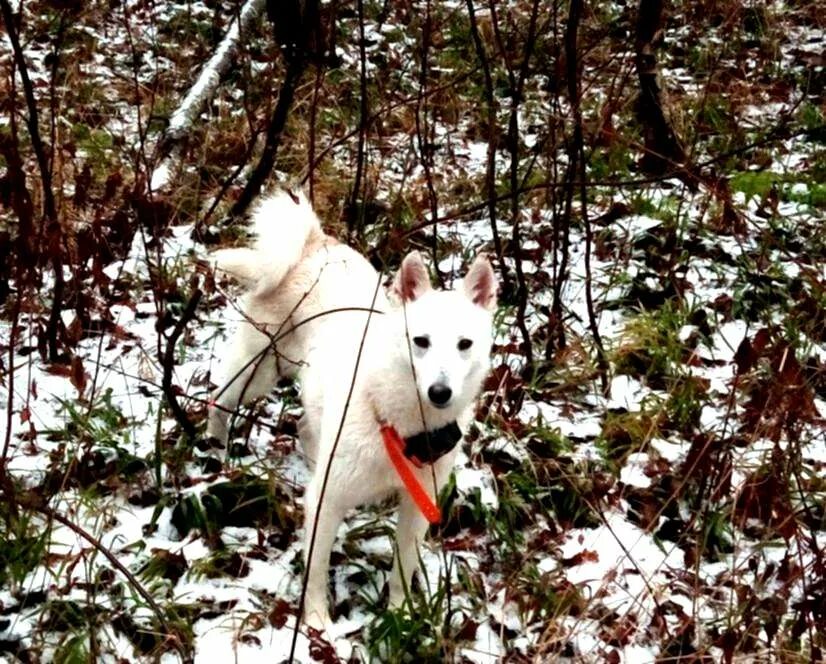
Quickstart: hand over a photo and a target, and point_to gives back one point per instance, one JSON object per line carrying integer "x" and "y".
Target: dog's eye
{"x": 422, "y": 342}
{"x": 464, "y": 344}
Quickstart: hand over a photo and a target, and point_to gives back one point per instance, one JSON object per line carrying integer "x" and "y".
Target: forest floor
{"x": 679, "y": 515}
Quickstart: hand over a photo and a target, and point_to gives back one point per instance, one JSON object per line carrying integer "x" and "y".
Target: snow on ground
{"x": 617, "y": 565}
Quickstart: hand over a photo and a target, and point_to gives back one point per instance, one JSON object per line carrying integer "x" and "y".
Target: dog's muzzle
{"x": 429, "y": 446}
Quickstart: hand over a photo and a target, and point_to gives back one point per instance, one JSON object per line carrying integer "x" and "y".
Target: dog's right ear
{"x": 412, "y": 280}
{"x": 480, "y": 283}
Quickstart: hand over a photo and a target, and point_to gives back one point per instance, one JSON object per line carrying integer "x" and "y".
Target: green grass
{"x": 650, "y": 346}
{"x": 625, "y": 433}
{"x": 419, "y": 631}
{"x": 23, "y": 545}
{"x": 759, "y": 184}
{"x": 555, "y": 483}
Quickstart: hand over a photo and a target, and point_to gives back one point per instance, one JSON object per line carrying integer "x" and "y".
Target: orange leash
{"x": 394, "y": 446}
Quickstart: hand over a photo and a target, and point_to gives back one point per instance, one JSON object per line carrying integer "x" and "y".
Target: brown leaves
{"x": 78, "y": 376}
{"x": 765, "y": 497}
{"x": 708, "y": 456}
{"x": 320, "y": 648}
{"x": 584, "y": 556}
{"x": 729, "y": 220}
{"x": 780, "y": 398}
{"x": 172, "y": 565}
{"x": 506, "y": 400}
{"x": 620, "y": 631}
{"x": 748, "y": 352}
{"x": 83, "y": 181}
{"x": 279, "y": 613}
{"x": 74, "y": 371}
{"x": 781, "y": 401}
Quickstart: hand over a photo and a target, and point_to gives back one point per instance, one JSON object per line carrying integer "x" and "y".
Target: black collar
{"x": 428, "y": 446}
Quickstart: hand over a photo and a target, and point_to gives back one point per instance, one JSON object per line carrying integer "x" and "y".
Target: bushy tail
{"x": 282, "y": 225}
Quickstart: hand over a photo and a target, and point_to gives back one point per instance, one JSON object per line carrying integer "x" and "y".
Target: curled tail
{"x": 282, "y": 223}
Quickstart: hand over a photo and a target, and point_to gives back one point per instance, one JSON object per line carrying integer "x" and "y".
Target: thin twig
{"x": 355, "y": 215}
{"x": 296, "y": 54}
{"x": 517, "y": 84}
{"x": 15, "y": 328}
{"x": 168, "y": 363}
{"x": 32, "y": 122}
{"x": 53, "y": 231}
{"x": 423, "y": 134}
{"x": 387, "y": 108}
{"x": 578, "y": 147}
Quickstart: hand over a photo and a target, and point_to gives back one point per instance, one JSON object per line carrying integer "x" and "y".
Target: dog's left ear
{"x": 412, "y": 280}
{"x": 480, "y": 283}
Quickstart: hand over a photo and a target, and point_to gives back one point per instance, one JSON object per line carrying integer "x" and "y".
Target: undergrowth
{"x": 648, "y": 488}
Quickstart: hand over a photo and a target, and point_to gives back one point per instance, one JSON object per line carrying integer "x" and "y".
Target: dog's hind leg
{"x": 309, "y": 433}
{"x": 330, "y": 515}
{"x": 250, "y": 372}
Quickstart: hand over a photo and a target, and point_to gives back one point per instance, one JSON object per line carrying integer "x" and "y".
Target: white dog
{"x": 415, "y": 361}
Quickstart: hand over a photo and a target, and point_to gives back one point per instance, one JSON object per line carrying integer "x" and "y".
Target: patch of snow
{"x": 575, "y": 425}
{"x": 487, "y": 646}
{"x": 668, "y": 450}
{"x": 686, "y": 332}
{"x": 160, "y": 176}
{"x": 633, "y": 472}
{"x": 508, "y": 446}
{"x": 469, "y": 480}
{"x": 505, "y": 611}
{"x": 627, "y": 392}
{"x": 725, "y": 341}
{"x": 639, "y": 224}
{"x": 621, "y": 562}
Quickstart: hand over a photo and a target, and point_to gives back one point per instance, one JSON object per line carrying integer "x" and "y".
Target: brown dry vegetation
{"x": 652, "y": 194}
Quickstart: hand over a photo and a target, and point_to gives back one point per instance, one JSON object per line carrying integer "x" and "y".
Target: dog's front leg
{"x": 410, "y": 533}
{"x": 317, "y": 552}
{"x": 412, "y": 527}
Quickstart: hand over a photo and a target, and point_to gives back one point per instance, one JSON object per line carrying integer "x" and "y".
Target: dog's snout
{"x": 439, "y": 394}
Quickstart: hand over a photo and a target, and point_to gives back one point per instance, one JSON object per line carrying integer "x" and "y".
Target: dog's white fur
{"x": 301, "y": 284}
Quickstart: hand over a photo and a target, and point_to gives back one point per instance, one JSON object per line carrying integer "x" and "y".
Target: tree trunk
{"x": 296, "y": 26}
{"x": 663, "y": 151}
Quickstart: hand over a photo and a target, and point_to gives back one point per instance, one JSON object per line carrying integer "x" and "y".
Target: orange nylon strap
{"x": 393, "y": 444}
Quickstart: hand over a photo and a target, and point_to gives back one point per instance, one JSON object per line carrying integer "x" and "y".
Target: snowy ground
{"x": 564, "y": 532}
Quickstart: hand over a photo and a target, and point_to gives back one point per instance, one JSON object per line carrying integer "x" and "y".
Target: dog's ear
{"x": 412, "y": 280}
{"x": 480, "y": 283}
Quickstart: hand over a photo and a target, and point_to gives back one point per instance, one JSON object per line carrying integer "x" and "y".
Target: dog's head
{"x": 448, "y": 333}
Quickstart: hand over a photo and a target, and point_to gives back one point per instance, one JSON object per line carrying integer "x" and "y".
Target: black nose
{"x": 439, "y": 394}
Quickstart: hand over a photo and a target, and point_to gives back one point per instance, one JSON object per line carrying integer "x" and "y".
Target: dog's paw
{"x": 395, "y": 598}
